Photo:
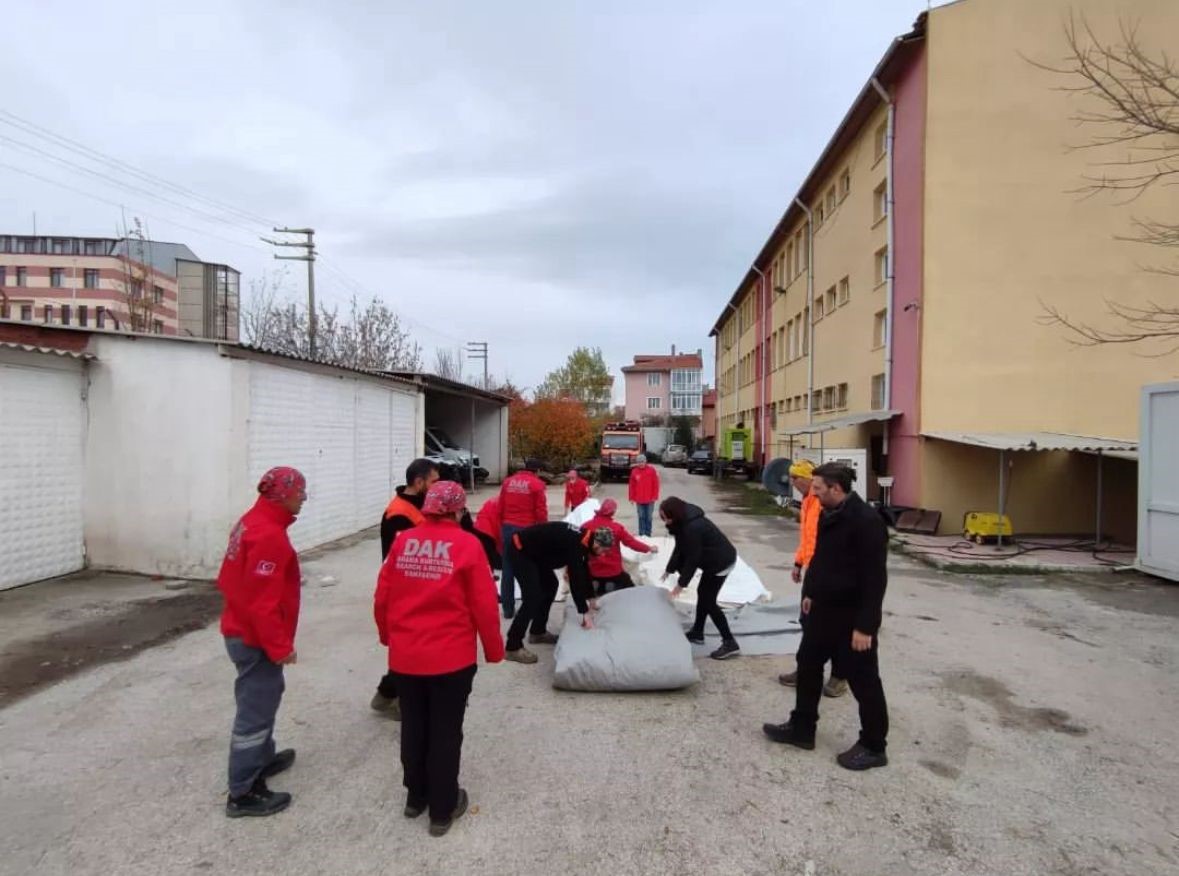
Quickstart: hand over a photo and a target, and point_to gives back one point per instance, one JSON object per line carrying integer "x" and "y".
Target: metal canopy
{"x": 841, "y": 423}
{"x": 1036, "y": 441}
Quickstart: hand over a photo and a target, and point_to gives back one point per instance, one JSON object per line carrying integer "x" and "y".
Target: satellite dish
{"x": 775, "y": 477}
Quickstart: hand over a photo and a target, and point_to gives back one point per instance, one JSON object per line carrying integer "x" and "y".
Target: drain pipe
{"x": 761, "y": 364}
{"x": 809, "y": 308}
{"x": 890, "y": 292}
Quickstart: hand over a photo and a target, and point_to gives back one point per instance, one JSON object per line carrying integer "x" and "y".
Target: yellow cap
{"x": 804, "y": 468}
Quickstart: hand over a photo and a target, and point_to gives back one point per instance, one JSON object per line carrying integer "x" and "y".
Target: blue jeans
{"x": 646, "y": 512}
{"x": 507, "y": 582}
{"x": 258, "y": 691}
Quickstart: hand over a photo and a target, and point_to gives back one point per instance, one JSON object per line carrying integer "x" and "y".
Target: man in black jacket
{"x": 536, "y": 552}
{"x": 842, "y": 598}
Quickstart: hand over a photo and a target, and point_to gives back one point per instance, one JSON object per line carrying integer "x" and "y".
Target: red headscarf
{"x": 445, "y": 497}
{"x": 282, "y": 483}
{"x": 608, "y": 508}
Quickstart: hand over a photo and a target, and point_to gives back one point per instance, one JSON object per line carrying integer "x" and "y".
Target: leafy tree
{"x": 684, "y": 432}
{"x": 585, "y": 378}
{"x": 557, "y": 431}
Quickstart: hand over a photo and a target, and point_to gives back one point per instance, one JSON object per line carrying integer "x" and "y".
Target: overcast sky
{"x": 539, "y": 175}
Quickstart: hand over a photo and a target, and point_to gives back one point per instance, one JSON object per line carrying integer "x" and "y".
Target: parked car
{"x": 700, "y": 462}
{"x": 674, "y": 455}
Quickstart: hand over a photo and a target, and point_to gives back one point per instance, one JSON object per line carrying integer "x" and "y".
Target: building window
{"x": 100, "y": 316}
{"x": 83, "y": 315}
{"x": 880, "y": 201}
{"x": 654, "y": 403}
{"x": 879, "y": 328}
{"x": 831, "y": 200}
{"x": 841, "y": 396}
{"x": 90, "y": 278}
{"x": 820, "y": 214}
{"x": 790, "y": 260}
{"x": 654, "y": 378}
{"x": 844, "y": 291}
{"x": 65, "y": 314}
{"x": 819, "y": 311}
{"x": 94, "y": 247}
{"x": 3, "y": 276}
{"x": 831, "y": 300}
{"x": 806, "y": 334}
{"x": 157, "y": 327}
{"x": 57, "y": 278}
{"x": 880, "y": 140}
{"x": 5, "y": 312}
{"x": 844, "y": 184}
{"x": 157, "y": 293}
{"x": 48, "y": 315}
{"x": 136, "y": 289}
{"x": 882, "y": 266}
{"x": 26, "y": 312}
{"x": 22, "y": 276}
{"x": 878, "y": 392}
{"x": 61, "y": 246}
{"x": 800, "y": 248}
{"x": 817, "y": 400}
{"x": 829, "y": 398}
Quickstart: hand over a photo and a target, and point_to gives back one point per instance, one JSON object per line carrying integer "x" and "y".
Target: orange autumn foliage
{"x": 557, "y": 431}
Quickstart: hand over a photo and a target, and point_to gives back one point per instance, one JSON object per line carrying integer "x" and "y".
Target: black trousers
{"x": 706, "y": 607}
{"x": 388, "y": 686}
{"x": 621, "y": 581}
{"x": 432, "y": 712}
{"x": 837, "y": 670}
{"x": 538, "y": 589}
{"x": 827, "y": 636}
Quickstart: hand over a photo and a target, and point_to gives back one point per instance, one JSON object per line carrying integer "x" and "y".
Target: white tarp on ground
{"x": 742, "y": 587}
{"x": 583, "y": 513}
{"x": 637, "y": 644}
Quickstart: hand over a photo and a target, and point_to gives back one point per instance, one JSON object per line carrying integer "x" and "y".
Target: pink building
{"x": 664, "y": 385}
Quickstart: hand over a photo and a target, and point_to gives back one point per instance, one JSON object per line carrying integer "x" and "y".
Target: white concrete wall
{"x": 453, "y": 414}
{"x": 180, "y": 434}
{"x": 160, "y": 454}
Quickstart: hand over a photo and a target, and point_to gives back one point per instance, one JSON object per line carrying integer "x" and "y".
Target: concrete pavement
{"x": 1033, "y": 727}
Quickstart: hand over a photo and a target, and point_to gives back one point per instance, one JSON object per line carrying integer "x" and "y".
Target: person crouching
{"x": 435, "y": 596}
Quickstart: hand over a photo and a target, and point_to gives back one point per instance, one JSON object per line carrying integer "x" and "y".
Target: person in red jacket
{"x": 435, "y": 596}
{"x": 488, "y": 522}
{"x": 644, "y": 492}
{"x": 260, "y": 581}
{"x": 523, "y": 502}
{"x": 606, "y": 572}
{"x": 577, "y": 490}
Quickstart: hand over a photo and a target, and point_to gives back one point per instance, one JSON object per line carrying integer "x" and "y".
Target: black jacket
{"x": 558, "y": 545}
{"x": 849, "y": 570}
{"x": 699, "y": 544}
{"x": 390, "y": 526}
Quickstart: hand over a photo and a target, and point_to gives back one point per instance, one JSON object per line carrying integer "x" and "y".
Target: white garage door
{"x": 351, "y": 438}
{"x": 42, "y": 442}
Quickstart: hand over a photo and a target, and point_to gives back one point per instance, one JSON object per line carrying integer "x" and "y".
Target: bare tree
{"x": 138, "y": 294}
{"x": 1131, "y": 104}
{"x": 369, "y": 337}
{"x": 448, "y": 363}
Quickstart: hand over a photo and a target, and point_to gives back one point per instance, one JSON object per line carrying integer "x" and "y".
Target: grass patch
{"x": 751, "y": 499}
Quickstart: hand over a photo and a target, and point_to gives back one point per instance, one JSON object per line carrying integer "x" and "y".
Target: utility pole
{"x": 478, "y": 350}
{"x": 308, "y": 257}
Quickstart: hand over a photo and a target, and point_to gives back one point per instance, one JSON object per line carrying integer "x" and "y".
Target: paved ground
{"x": 1033, "y": 733}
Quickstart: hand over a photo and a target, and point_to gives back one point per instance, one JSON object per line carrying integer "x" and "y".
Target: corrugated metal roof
{"x": 1035, "y": 441}
{"x": 228, "y": 348}
{"x": 29, "y": 348}
{"x": 842, "y": 422}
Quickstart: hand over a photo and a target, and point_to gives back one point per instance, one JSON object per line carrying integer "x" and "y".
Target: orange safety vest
{"x": 400, "y": 507}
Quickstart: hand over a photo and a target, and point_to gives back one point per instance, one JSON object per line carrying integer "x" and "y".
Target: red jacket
{"x": 576, "y": 492}
{"x": 609, "y": 564}
{"x": 435, "y": 594}
{"x": 488, "y": 522}
{"x": 260, "y": 581}
{"x": 523, "y": 501}
{"x": 644, "y": 485}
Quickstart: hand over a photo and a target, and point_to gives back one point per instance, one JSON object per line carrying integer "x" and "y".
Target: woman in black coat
{"x": 699, "y": 545}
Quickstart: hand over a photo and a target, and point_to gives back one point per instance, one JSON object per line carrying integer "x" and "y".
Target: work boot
{"x": 695, "y": 638}
{"x": 545, "y": 638}
{"x": 280, "y": 763}
{"x": 726, "y": 650}
{"x": 439, "y": 828}
{"x": 859, "y": 758}
{"x": 259, "y": 801}
{"x": 788, "y": 734}
{"x": 414, "y": 807}
{"x": 788, "y": 679}
{"x": 389, "y": 706}
{"x": 835, "y": 687}
{"x": 521, "y": 655}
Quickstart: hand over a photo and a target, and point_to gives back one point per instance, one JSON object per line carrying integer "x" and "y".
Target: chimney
{"x": 673, "y": 349}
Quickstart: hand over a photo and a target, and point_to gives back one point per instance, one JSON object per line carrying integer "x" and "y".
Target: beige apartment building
{"x": 897, "y": 309}
{"x": 120, "y": 284}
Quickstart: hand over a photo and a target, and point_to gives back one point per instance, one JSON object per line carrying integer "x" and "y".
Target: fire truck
{"x": 621, "y": 443}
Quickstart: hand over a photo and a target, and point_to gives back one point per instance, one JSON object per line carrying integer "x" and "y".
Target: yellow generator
{"x": 984, "y": 526}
